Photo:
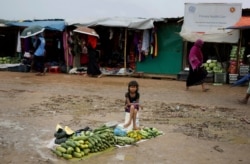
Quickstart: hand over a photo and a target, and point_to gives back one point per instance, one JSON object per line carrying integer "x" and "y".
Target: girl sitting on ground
{"x": 132, "y": 103}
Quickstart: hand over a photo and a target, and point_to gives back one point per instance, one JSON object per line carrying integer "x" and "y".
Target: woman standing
{"x": 93, "y": 68}
{"x": 197, "y": 73}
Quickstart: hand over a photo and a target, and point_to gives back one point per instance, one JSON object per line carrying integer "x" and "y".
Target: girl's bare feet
{"x": 136, "y": 128}
{"x": 126, "y": 125}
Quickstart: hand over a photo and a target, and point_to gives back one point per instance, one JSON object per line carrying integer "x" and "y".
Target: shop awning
{"x": 58, "y": 25}
{"x": 133, "y": 23}
{"x": 243, "y": 23}
{"x": 208, "y": 21}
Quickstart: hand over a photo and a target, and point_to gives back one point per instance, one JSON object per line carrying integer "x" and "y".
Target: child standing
{"x": 132, "y": 103}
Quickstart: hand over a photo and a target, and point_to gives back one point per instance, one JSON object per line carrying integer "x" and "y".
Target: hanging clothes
{"x": 153, "y": 44}
{"x": 145, "y": 41}
{"x": 18, "y": 47}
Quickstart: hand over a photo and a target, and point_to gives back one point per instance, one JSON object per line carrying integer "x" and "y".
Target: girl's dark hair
{"x": 133, "y": 83}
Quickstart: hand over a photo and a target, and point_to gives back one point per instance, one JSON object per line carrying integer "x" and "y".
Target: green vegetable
{"x": 67, "y": 156}
{"x": 61, "y": 149}
{"x": 58, "y": 153}
{"x": 77, "y": 154}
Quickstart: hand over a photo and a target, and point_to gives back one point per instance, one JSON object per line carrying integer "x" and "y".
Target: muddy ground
{"x": 200, "y": 127}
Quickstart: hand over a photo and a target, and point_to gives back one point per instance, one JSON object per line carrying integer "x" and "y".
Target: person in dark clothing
{"x": 93, "y": 68}
{"x": 197, "y": 72}
{"x": 39, "y": 54}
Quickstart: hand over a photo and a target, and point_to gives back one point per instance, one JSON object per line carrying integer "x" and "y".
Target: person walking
{"x": 132, "y": 104}
{"x": 39, "y": 54}
{"x": 197, "y": 72}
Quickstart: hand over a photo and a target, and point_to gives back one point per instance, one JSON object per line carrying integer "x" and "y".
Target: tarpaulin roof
{"x": 47, "y": 24}
{"x": 133, "y": 23}
{"x": 243, "y": 23}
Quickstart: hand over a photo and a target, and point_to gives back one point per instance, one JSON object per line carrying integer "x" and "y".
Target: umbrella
{"x": 31, "y": 31}
{"x": 86, "y": 30}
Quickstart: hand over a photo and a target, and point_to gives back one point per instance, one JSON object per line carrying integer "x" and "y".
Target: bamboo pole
{"x": 67, "y": 52}
{"x": 67, "y": 56}
{"x": 125, "y": 51}
{"x": 238, "y": 52}
{"x": 185, "y": 55}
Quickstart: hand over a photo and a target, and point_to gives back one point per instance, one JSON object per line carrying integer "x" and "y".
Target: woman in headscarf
{"x": 93, "y": 68}
{"x": 197, "y": 73}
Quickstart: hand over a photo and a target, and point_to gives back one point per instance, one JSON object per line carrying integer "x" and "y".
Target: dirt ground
{"x": 199, "y": 127}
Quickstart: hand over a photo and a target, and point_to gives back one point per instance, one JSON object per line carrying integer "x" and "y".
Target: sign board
{"x": 208, "y": 21}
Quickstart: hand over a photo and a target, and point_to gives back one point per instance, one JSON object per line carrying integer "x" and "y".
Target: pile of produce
{"x": 213, "y": 66}
{"x": 78, "y": 145}
{"x": 9, "y": 60}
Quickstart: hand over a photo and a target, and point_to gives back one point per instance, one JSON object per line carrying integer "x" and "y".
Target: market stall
{"x": 209, "y": 22}
{"x": 240, "y": 60}
{"x": 52, "y": 30}
{"x": 121, "y": 42}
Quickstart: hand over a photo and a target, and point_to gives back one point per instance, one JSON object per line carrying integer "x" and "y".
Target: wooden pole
{"x": 185, "y": 56}
{"x": 67, "y": 56}
{"x": 238, "y": 52}
{"x": 125, "y": 51}
{"x": 67, "y": 52}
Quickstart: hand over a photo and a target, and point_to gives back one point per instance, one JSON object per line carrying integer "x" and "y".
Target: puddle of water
{"x": 120, "y": 157}
{"x": 9, "y": 124}
{"x": 240, "y": 140}
{"x": 113, "y": 83}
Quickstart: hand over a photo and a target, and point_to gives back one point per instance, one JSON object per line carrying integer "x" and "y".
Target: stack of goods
{"x": 213, "y": 66}
{"x": 132, "y": 60}
{"x": 243, "y": 69}
{"x": 241, "y": 55}
{"x": 9, "y": 60}
{"x": 82, "y": 143}
{"x": 233, "y": 61}
{"x": 232, "y": 70}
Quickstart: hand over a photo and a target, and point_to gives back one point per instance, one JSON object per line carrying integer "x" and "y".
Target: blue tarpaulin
{"x": 242, "y": 80}
{"x": 58, "y": 25}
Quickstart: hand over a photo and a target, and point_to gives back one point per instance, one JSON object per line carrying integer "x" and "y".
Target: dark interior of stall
{"x": 246, "y": 44}
{"x": 8, "y": 41}
{"x": 214, "y": 51}
{"x": 112, "y": 46}
{"x": 54, "y": 47}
